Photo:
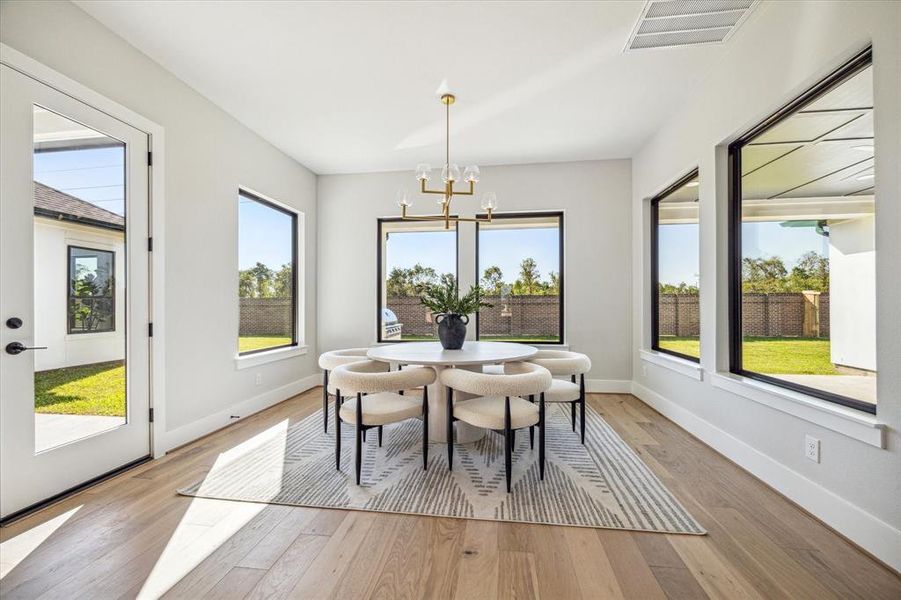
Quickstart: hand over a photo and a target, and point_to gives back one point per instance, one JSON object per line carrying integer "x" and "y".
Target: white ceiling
{"x": 349, "y": 87}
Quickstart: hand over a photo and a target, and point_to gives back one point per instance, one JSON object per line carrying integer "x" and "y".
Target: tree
{"x": 245, "y": 284}
{"x": 413, "y": 281}
{"x": 811, "y": 273}
{"x": 529, "y": 276}
{"x": 553, "y": 288}
{"x": 682, "y": 289}
{"x": 283, "y": 283}
{"x": 262, "y": 280}
{"x": 492, "y": 281}
{"x": 764, "y": 275}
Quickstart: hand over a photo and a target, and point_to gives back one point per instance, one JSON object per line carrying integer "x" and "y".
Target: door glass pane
{"x": 414, "y": 255}
{"x": 79, "y": 281}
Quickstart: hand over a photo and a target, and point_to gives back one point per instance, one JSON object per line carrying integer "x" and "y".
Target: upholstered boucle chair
{"x": 499, "y": 405}
{"x": 379, "y": 401}
{"x": 569, "y": 364}
{"x": 330, "y": 361}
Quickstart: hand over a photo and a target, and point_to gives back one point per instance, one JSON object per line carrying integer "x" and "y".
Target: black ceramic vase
{"x": 451, "y": 330}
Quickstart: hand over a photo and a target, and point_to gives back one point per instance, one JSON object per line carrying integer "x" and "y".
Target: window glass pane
{"x": 79, "y": 281}
{"x": 413, "y": 256}
{"x": 92, "y": 290}
{"x": 678, "y": 268}
{"x": 520, "y": 270}
{"x": 808, "y": 251}
{"x": 267, "y": 254}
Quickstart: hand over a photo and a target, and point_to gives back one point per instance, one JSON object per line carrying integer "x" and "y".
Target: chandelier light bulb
{"x": 423, "y": 171}
{"x": 489, "y": 201}
{"x": 403, "y": 200}
{"x": 471, "y": 174}
{"x": 451, "y": 173}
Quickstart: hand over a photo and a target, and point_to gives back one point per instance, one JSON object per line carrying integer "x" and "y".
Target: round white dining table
{"x": 472, "y": 356}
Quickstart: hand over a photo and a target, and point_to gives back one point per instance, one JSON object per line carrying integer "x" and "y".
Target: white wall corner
{"x": 223, "y": 418}
{"x": 869, "y": 532}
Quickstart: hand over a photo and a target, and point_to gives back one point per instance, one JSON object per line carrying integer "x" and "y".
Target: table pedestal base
{"x": 464, "y": 432}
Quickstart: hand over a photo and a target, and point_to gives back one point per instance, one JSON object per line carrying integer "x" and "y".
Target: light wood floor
{"x": 133, "y": 536}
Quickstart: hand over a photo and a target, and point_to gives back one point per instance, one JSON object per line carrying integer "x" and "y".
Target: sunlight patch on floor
{"x": 14, "y": 550}
{"x": 208, "y": 524}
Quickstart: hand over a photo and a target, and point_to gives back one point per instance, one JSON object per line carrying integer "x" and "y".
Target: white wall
{"x": 852, "y": 295}
{"x": 51, "y": 241}
{"x": 856, "y": 487}
{"x": 595, "y": 198}
{"x": 208, "y": 155}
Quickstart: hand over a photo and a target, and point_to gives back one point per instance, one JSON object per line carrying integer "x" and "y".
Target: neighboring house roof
{"x": 52, "y": 203}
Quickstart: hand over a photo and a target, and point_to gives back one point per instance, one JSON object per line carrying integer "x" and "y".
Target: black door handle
{"x": 18, "y": 348}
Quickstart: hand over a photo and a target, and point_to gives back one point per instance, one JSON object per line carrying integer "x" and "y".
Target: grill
{"x": 391, "y": 329}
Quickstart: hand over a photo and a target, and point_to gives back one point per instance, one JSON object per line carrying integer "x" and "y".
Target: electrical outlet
{"x": 259, "y": 379}
{"x": 812, "y": 448}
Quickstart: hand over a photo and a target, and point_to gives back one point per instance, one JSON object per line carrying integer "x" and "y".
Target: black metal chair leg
{"x": 508, "y": 443}
{"x": 325, "y": 399}
{"x": 364, "y": 435}
{"x": 337, "y": 433}
{"x": 360, "y": 433}
{"x": 450, "y": 429}
{"x": 380, "y": 436}
{"x": 425, "y": 427}
{"x": 572, "y": 406}
{"x": 541, "y": 432}
{"x": 582, "y": 406}
{"x": 532, "y": 427}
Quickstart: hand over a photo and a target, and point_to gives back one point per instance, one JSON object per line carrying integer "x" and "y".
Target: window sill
{"x": 90, "y": 335}
{"x": 682, "y": 366}
{"x": 846, "y": 421}
{"x": 262, "y": 358}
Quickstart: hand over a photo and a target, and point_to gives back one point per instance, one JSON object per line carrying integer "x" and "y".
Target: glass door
{"x": 73, "y": 293}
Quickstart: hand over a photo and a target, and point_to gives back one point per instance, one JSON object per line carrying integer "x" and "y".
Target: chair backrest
{"x": 336, "y": 358}
{"x": 519, "y": 379}
{"x": 369, "y": 376}
{"x": 562, "y": 362}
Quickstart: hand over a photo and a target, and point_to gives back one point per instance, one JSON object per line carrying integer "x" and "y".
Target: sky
{"x": 264, "y": 235}
{"x": 505, "y": 248}
{"x": 96, "y": 175}
{"x": 678, "y": 247}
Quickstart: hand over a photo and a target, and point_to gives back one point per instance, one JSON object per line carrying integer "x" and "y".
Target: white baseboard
{"x": 608, "y": 386}
{"x": 201, "y": 427}
{"x": 870, "y": 533}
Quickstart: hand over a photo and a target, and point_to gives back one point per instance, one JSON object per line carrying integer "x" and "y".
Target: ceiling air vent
{"x": 670, "y": 23}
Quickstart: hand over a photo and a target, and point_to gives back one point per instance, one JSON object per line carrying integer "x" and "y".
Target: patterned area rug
{"x": 602, "y": 484}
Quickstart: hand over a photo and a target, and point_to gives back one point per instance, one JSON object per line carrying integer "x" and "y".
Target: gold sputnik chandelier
{"x": 450, "y": 175}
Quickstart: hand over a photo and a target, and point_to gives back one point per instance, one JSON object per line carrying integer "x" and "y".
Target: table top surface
{"x": 431, "y": 353}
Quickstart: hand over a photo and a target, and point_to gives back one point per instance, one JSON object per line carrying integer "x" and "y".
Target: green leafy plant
{"x": 444, "y": 298}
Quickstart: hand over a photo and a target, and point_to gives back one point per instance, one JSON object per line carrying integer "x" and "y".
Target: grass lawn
{"x": 485, "y": 338}
{"x": 97, "y": 389}
{"x": 520, "y": 338}
{"x": 258, "y": 342}
{"x": 800, "y": 356}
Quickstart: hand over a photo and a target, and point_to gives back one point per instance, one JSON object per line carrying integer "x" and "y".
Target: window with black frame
{"x": 411, "y": 255}
{"x": 802, "y": 243}
{"x": 267, "y": 275}
{"x": 519, "y": 262}
{"x": 675, "y": 267}
{"x": 92, "y": 290}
